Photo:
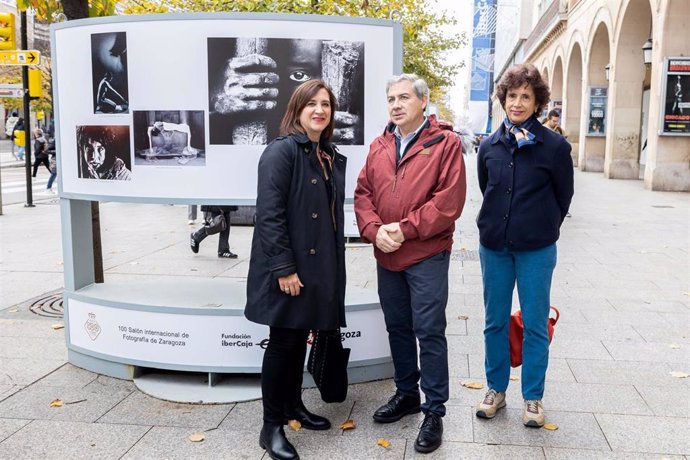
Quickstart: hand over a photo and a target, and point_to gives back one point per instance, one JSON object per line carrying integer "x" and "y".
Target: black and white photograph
{"x": 109, "y": 72}
{"x": 252, "y": 79}
{"x": 104, "y": 152}
{"x": 169, "y": 138}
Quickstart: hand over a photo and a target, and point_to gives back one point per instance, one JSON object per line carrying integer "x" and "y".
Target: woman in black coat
{"x": 296, "y": 279}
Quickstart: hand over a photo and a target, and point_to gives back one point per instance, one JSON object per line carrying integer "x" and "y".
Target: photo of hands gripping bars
{"x": 251, "y": 80}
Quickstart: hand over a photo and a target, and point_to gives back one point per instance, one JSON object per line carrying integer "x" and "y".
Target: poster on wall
{"x": 103, "y": 153}
{"x": 169, "y": 138}
{"x": 597, "y": 111}
{"x": 109, "y": 73}
{"x": 675, "y": 116}
{"x": 250, "y": 81}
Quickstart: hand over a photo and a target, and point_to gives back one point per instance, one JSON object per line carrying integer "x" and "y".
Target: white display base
{"x": 194, "y": 388}
{"x": 197, "y": 325}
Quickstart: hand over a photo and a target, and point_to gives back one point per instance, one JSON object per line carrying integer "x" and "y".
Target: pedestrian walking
{"x": 19, "y": 138}
{"x": 216, "y": 220}
{"x": 40, "y": 152}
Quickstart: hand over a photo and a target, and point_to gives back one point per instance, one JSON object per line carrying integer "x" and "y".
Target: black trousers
{"x": 223, "y": 237}
{"x": 281, "y": 373}
{"x": 41, "y": 160}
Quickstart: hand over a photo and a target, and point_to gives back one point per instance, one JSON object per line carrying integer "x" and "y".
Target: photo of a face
{"x": 252, "y": 79}
{"x": 109, "y": 73}
{"x": 104, "y": 153}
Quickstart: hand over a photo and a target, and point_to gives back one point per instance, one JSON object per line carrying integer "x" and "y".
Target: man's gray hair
{"x": 421, "y": 89}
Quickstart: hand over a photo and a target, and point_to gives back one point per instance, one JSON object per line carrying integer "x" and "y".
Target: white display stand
{"x": 140, "y": 327}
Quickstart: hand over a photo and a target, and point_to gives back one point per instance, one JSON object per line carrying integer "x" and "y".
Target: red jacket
{"x": 425, "y": 193}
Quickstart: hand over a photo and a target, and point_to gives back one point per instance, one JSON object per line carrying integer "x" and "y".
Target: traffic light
{"x": 35, "y": 88}
{"x": 8, "y": 32}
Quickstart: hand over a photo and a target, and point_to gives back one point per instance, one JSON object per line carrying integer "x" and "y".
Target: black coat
{"x": 295, "y": 232}
{"x": 527, "y": 192}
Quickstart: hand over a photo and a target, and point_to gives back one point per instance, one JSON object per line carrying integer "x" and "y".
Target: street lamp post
{"x": 607, "y": 71}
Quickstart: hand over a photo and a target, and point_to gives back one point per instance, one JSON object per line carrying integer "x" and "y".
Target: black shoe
{"x": 308, "y": 420}
{"x": 430, "y": 434}
{"x": 397, "y": 407}
{"x": 193, "y": 243}
{"x": 227, "y": 255}
{"x": 272, "y": 438}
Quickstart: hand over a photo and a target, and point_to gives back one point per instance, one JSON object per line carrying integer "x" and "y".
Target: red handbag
{"x": 515, "y": 335}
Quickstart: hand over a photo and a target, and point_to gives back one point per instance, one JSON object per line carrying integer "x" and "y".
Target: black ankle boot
{"x": 308, "y": 420}
{"x": 272, "y": 438}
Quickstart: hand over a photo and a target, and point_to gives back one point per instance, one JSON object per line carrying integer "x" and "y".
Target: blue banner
{"x": 483, "y": 42}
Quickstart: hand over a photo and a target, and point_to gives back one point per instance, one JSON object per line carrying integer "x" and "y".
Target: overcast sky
{"x": 462, "y": 11}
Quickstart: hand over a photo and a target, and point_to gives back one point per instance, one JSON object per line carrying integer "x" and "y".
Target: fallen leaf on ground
{"x": 348, "y": 425}
{"x": 197, "y": 437}
{"x": 463, "y": 317}
{"x": 674, "y": 346}
{"x": 472, "y": 385}
{"x": 12, "y": 310}
{"x": 295, "y": 425}
{"x": 550, "y": 426}
{"x": 56, "y": 403}
{"x": 514, "y": 377}
{"x": 383, "y": 443}
{"x": 680, "y": 375}
{"x": 57, "y": 326}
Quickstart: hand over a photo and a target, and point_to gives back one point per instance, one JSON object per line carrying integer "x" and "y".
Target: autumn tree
{"x": 425, "y": 44}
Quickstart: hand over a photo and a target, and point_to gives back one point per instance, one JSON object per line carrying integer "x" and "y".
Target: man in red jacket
{"x": 409, "y": 195}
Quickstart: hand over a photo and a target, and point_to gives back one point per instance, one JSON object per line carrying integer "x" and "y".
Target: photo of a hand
{"x": 250, "y": 84}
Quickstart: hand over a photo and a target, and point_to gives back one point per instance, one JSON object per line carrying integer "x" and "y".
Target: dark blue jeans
{"x": 533, "y": 271}
{"x": 414, "y": 308}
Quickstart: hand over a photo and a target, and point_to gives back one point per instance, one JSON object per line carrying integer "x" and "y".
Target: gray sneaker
{"x": 493, "y": 401}
{"x": 534, "y": 414}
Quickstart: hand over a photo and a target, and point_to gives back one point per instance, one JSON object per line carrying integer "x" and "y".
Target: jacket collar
{"x": 303, "y": 139}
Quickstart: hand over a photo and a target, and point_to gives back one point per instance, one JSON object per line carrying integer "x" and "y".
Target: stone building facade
{"x": 585, "y": 47}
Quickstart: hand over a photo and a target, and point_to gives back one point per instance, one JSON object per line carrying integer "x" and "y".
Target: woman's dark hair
{"x": 519, "y": 76}
{"x": 299, "y": 100}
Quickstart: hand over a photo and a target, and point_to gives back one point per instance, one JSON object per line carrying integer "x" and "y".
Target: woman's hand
{"x": 290, "y": 284}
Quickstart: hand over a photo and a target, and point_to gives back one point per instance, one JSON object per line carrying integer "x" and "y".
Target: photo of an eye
{"x": 299, "y": 76}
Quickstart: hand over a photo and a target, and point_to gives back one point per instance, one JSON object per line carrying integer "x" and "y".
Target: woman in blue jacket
{"x": 296, "y": 279}
{"x": 526, "y": 177}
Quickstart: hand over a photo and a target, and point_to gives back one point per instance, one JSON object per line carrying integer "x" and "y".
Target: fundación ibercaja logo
{"x": 92, "y": 327}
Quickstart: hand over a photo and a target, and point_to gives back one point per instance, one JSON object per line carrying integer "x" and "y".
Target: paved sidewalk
{"x": 7, "y": 159}
{"x": 622, "y": 285}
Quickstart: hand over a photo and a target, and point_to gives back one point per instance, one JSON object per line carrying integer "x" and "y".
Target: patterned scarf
{"x": 521, "y": 133}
